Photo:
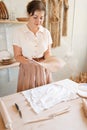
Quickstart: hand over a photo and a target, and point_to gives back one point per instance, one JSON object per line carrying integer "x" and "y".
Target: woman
{"x": 32, "y": 44}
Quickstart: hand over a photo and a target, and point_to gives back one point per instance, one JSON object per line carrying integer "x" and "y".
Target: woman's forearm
{"x": 18, "y": 55}
{"x": 47, "y": 53}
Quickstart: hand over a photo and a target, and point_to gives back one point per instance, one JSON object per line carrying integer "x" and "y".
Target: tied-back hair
{"x": 35, "y": 5}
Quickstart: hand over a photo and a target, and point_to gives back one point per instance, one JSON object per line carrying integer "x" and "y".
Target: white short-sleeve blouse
{"x": 33, "y": 46}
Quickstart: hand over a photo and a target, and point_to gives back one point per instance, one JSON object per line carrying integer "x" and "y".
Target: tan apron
{"x": 32, "y": 75}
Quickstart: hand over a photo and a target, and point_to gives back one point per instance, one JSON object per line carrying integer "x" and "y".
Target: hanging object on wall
{"x": 3, "y": 11}
{"x": 56, "y": 15}
{"x": 54, "y": 20}
{"x": 44, "y": 24}
{"x": 65, "y": 15}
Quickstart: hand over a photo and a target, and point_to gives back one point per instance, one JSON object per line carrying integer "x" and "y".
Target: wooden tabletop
{"x": 72, "y": 120}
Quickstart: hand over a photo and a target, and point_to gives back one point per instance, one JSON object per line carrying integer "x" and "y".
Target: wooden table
{"x": 72, "y": 120}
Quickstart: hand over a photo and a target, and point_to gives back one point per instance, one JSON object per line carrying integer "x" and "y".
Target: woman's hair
{"x": 35, "y": 5}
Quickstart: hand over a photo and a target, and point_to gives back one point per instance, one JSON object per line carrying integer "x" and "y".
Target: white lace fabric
{"x": 44, "y": 97}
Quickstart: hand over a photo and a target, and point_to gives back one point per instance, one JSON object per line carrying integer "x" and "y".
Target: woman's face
{"x": 36, "y": 19}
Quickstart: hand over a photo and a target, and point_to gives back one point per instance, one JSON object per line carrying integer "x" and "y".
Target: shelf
{"x": 15, "y": 64}
{"x": 10, "y": 21}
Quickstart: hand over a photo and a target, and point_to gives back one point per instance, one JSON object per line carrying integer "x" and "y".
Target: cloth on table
{"x": 42, "y": 98}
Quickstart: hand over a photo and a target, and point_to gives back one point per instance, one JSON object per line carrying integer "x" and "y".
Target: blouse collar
{"x": 41, "y": 28}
